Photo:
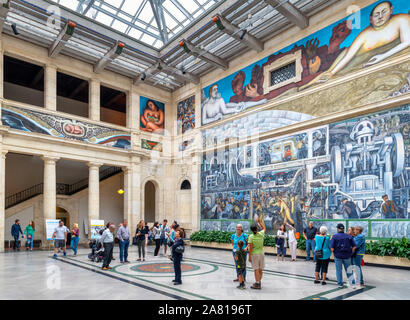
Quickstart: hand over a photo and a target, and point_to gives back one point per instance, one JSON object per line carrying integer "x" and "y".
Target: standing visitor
{"x": 323, "y": 250}
{"x": 123, "y": 235}
{"x": 157, "y": 237}
{"x": 29, "y": 232}
{"x": 350, "y": 231}
{"x": 107, "y": 227}
{"x": 281, "y": 242}
{"x": 293, "y": 242}
{"x": 107, "y": 241}
{"x": 240, "y": 262}
{"x": 177, "y": 251}
{"x": 238, "y": 236}
{"x": 15, "y": 232}
{"x": 256, "y": 254}
{"x": 359, "y": 252}
{"x": 171, "y": 238}
{"x": 141, "y": 235}
{"x": 164, "y": 235}
{"x": 309, "y": 233}
{"x": 342, "y": 246}
{"x": 60, "y": 238}
{"x": 75, "y": 238}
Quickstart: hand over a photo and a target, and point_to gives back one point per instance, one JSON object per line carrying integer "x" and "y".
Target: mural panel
{"x": 61, "y": 127}
{"x": 152, "y": 116}
{"x": 186, "y": 115}
{"x": 353, "y": 169}
{"x": 366, "y": 38}
{"x": 151, "y": 145}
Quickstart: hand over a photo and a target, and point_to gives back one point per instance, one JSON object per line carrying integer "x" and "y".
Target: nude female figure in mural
{"x": 385, "y": 28}
{"x": 152, "y": 118}
{"x": 214, "y": 108}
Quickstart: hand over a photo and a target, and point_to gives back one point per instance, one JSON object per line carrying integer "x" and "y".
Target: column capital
{"x": 50, "y": 66}
{"x": 3, "y": 154}
{"x": 93, "y": 164}
{"x": 50, "y": 159}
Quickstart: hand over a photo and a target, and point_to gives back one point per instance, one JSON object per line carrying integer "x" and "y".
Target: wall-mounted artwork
{"x": 372, "y": 35}
{"x": 152, "y": 115}
{"x": 186, "y": 145}
{"x": 61, "y": 127}
{"x": 186, "y": 115}
{"x": 356, "y": 169}
{"x": 151, "y": 145}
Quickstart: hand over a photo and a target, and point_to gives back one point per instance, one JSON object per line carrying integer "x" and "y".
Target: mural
{"x": 186, "y": 115}
{"x": 353, "y": 169}
{"x": 185, "y": 145}
{"x": 61, "y": 127}
{"x": 366, "y": 38}
{"x": 151, "y": 145}
{"x": 152, "y": 117}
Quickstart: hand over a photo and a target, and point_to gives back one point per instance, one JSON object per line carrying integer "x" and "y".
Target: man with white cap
{"x": 107, "y": 240}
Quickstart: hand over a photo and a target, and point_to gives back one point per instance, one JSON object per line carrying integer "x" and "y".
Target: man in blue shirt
{"x": 343, "y": 247}
{"x": 15, "y": 232}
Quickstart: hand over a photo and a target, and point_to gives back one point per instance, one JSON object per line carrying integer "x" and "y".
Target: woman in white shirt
{"x": 156, "y": 230}
{"x": 293, "y": 243}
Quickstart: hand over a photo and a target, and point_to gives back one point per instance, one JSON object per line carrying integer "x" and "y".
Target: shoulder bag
{"x": 319, "y": 253}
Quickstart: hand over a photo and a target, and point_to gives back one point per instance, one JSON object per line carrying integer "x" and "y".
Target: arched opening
{"x": 149, "y": 202}
{"x": 186, "y": 185}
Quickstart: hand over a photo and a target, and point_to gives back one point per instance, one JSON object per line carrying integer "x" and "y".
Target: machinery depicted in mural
{"x": 354, "y": 169}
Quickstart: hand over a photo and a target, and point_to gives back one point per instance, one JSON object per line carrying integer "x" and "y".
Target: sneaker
{"x": 256, "y": 286}
{"x": 340, "y": 286}
{"x": 139, "y": 259}
{"x": 109, "y": 267}
{"x": 240, "y": 287}
{"x": 55, "y": 256}
{"x": 105, "y": 268}
{"x": 126, "y": 261}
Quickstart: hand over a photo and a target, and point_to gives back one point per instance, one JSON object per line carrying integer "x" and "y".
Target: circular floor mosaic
{"x": 163, "y": 267}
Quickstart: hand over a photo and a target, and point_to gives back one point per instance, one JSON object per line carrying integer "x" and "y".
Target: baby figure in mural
{"x": 387, "y": 32}
{"x": 214, "y": 107}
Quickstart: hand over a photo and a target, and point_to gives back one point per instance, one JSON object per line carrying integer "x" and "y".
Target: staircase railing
{"x": 61, "y": 188}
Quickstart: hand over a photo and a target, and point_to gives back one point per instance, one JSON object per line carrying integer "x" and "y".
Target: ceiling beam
{"x": 204, "y": 55}
{"x": 62, "y": 38}
{"x": 89, "y": 5}
{"x": 291, "y": 13}
{"x": 237, "y": 33}
{"x": 4, "y": 11}
{"x": 114, "y": 53}
{"x": 159, "y": 19}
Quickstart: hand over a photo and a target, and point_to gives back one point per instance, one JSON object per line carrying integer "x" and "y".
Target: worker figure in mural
{"x": 152, "y": 119}
{"x": 386, "y": 31}
{"x": 285, "y": 212}
{"x": 389, "y": 208}
{"x": 349, "y": 209}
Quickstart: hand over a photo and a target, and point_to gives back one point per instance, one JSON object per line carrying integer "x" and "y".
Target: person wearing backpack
{"x": 323, "y": 253}
{"x": 177, "y": 249}
{"x": 281, "y": 242}
{"x": 343, "y": 246}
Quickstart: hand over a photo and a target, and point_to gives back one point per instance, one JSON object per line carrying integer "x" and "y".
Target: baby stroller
{"x": 97, "y": 252}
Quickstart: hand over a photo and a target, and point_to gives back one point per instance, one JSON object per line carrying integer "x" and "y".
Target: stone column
{"x": 133, "y": 109}
{"x": 2, "y": 197}
{"x": 50, "y": 87}
{"x": 127, "y": 195}
{"x": 132, "y": 195}
{"x": 94, "y": 100}
{"x": 1, "y": 72}
{"x": 49, "y": 192}
{"x": 196, "y": 191}
{"x": 93, "y": 192}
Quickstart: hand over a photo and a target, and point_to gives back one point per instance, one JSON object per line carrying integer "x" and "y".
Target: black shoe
{"x": 323, "y": 283}
{"x": 174, "y": 280}
{"x": 316, "y": 281}
{"x": 177, "y": 283}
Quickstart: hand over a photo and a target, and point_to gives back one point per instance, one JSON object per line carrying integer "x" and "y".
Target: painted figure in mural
{"x": 285, "y": 212}
{"x": 385, "y": 30}
{"x": 153, "y": 118}
{"x": 214, "y": 107}
{"x": 349, "y": 209}
{"x": 389, "y": 208}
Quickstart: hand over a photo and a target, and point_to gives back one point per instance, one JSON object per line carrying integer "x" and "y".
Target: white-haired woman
{"x": 322, "y": 262}
{"x": 239, "y": 235}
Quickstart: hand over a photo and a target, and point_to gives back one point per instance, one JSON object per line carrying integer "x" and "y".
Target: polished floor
{"x": 207, "y": 275}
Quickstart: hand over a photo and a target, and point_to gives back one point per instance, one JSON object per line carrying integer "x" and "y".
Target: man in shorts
{"x": 256, "y": 253}
{"x": 60, "y": 238}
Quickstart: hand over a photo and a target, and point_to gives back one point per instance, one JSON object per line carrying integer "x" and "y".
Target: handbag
{"x": 319, "y": 253}
{"x": 180, "y": 249}
{"x": 134, "y": 241}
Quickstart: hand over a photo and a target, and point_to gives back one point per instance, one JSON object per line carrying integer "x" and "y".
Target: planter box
{"x": 368, "y": 258}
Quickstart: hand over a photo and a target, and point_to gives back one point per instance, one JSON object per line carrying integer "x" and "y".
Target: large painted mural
{"x": 186, "y": 115}
{"x": 152, "y": 115}
{"x": 357, "y": 170}
{"x": 61, "y": 127}
{"x": 366, "y": 38}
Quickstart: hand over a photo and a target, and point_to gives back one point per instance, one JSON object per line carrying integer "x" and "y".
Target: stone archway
{"x": 150, "y": 201}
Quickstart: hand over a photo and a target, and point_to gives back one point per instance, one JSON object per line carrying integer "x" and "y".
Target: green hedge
{"x": 391, "y": 247}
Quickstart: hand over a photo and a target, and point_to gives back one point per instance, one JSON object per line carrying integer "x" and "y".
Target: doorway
{"x": 149, "y": 202}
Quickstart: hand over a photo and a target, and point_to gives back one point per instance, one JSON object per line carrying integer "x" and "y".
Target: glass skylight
{"x": 136, "y": 18}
